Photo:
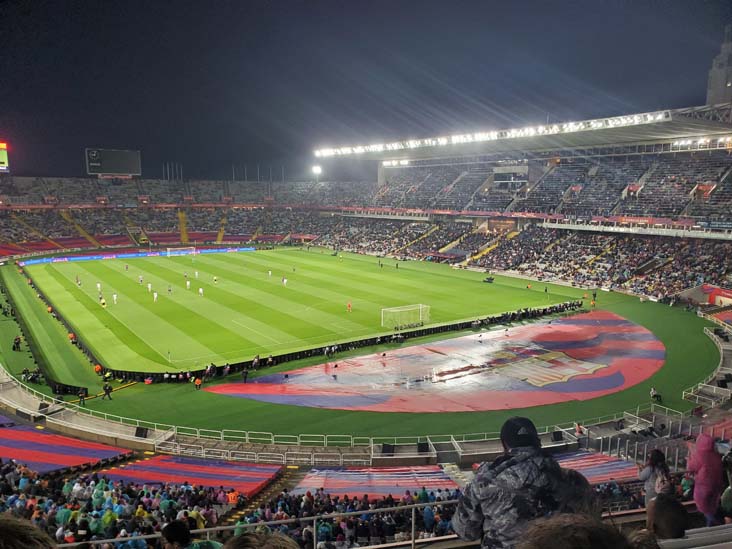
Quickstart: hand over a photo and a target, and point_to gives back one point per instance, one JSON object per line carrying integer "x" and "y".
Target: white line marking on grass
{"x": 258, "y": 332}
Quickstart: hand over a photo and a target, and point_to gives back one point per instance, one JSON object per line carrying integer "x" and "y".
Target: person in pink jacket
{"x": 706, "y": 465}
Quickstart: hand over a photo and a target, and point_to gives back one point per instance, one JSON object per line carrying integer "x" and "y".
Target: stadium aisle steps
{"x": 183, "y": 226}
{"x": 66, "y": 215}
{"x": 455, "y": 473}
{"x": 290, "y": 477}
{"x": 421, "y": 237}
{"x": 454, "y": 243}
{"x": 222, "y": 230}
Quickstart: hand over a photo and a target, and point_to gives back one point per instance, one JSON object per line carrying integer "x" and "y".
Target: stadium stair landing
{"x": 291, "y": 476}
{"x": 66, "y": 215}
{"x": 421, "y": 237}
{"x": 183, "y": 226}
{"x": 15, "y": 217}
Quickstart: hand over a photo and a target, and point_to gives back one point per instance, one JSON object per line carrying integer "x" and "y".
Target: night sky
{"x": 216, "y": 82}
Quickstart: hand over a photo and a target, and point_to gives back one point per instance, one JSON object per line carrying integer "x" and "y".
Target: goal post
{"x": 406, "y": 316}
{"x": 185, "y": 250}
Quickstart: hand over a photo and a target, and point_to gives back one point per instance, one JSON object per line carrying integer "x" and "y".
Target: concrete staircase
{"x": 222, "y": 230}
{"x": 183, "y": 226}
{"x": 421, "y": 237}
{"x": 66, "y": 215}
{"x": 521, "y": 196}
{"x": 492, "y": 246}
{"x": 289, "y": 479}
{"x": 455, "y": 242}
{"x": 606, "y": 251}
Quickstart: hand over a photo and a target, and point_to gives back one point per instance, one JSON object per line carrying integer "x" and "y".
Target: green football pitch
{"x": 248, "y": 313}
{"x": 245, "y": 310}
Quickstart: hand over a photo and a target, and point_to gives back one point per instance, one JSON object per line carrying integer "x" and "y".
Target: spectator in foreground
{"x": 176, "y": 535}
{"x": 656, "y": 476}
{"x": 21, "y": 534}
{"x": 706, "y": 466}
{"x": 521, "y": 485}
{"x": 666, "y": 517}
{"x": 572, "y": 531}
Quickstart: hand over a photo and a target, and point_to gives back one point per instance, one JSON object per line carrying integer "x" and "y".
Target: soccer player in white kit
{"x": 139, "y": 279}
{"x": 196, "y": 274}
{"x": 149, "y": 286}
{"x": 155, "y": 297}
{"x": 114, "y": 299}
{"x": 99, "y": 286}
{"x": 200, "y": 292}
{"x": 188, "y": 284}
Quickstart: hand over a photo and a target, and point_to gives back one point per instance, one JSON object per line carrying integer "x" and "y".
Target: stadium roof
{"x": 679, "y": 125}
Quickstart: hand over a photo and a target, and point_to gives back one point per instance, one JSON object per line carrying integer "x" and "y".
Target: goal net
{"x": 407, "y": 316}
{"x": 190, "y": 250}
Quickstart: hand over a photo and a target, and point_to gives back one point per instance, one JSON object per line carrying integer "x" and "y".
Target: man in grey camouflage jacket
{"x": 516, "y": 488}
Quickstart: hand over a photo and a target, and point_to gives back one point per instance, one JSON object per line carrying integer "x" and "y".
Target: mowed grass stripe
{"x": 271, "y": 306}
{"x": 223, "y": 305}
{"x": 326, "y": 308}
{"x": 462, "y": 298}
{"x": 185, "y": 331}
{"x": 135, "y": 311}
{"x": 98, "y": 331}
{"x": 342, "y": 287}
{"x": 65, "y": 362}
{"x": 353, "y": 278}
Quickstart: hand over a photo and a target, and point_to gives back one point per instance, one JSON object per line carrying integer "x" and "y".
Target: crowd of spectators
{"x": 658, "y": 185}
{"x": 363, "y": 235}
{"x": 511, "y": 252}
{"x": 444, "y": 234}
{"x": 648, "y": 265}
{"x": 372, "y": 527}
{"x": 91, "y": 507}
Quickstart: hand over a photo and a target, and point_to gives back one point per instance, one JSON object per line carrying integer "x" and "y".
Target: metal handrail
{"x": 295, "y": 440}
{"x": 207, "y": 532}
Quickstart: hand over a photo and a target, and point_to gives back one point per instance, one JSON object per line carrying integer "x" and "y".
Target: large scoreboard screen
{"x": 4, "y": 164}
{"x": 113, "y": 162}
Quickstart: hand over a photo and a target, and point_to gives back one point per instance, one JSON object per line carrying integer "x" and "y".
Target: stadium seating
{"x": 598, "y": 468}
{"x": 246, "y": 478}
{"x": 44, "y": 452}
{"x": 547, "y": 194}
{"x": 375, "y": 482}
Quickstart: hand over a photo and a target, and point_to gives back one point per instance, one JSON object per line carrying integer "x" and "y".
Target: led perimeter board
{"x": 113, "y": 162}
{"x": 4, "y": 165}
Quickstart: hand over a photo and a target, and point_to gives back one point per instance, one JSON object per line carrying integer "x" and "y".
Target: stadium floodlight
{"x": 514, "y": 133}
{"x": 317, "y": 170}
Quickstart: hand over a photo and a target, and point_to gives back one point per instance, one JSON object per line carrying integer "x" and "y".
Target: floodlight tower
{"x": 317, "y": 170}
